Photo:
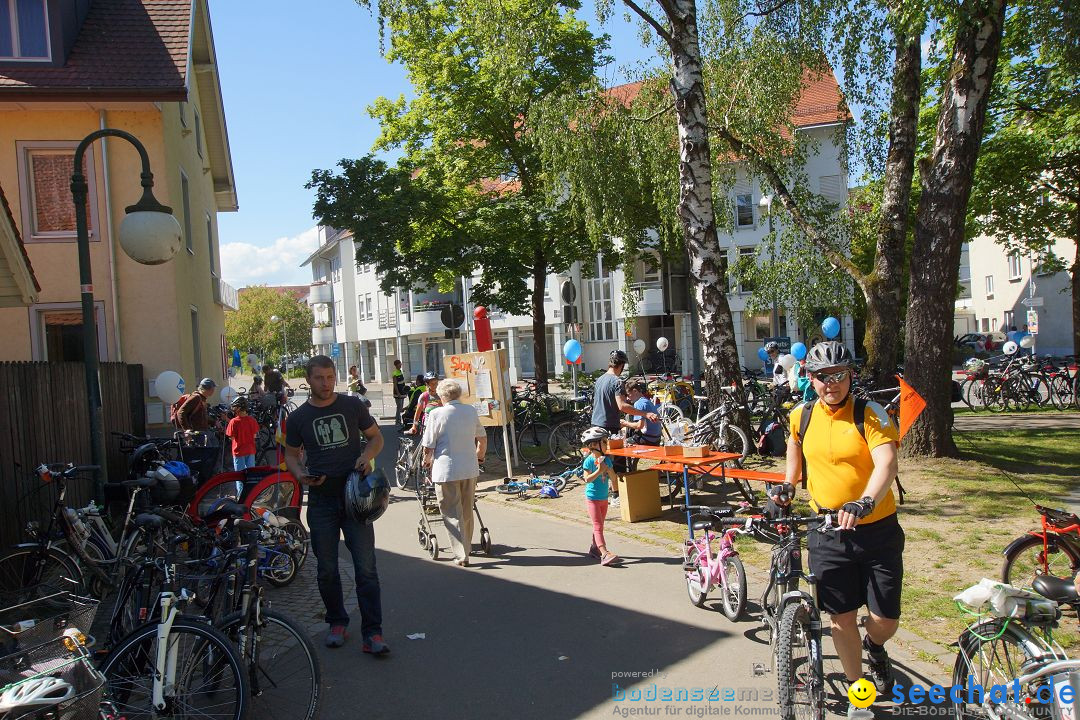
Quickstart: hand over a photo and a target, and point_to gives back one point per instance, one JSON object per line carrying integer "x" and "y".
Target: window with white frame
{"x": 989, "y": 284}
{"x": 198, "y": 133}
{"x": 210, "y": 246}
{"x": 1010, "y": 319}
{"x": 744, "y": 209}
{"x": 339, "y": 312}
{"x": 185, "y": 195}
{"x": 1014, "y": 267}
{"x": 369, "y": 304}
{"x": 600, "y": 306}
{"x": 335, "y": 270}
{"x": 747, "y": 252}
{"x": 651, "y": 265}
{"x": 24, "y": 30}
{"x": 48, "y": 209}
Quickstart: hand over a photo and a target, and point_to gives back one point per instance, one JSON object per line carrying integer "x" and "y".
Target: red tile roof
{"x": 126, "y": 49}
{"x": 820, "y": 102}
{"x": 18, "y": 238}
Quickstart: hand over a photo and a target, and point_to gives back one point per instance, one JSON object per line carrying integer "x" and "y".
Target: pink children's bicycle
{"x": 705, "y": 570}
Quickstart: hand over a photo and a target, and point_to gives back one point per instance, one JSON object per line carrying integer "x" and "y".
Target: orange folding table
{"x": 652, "y": 452}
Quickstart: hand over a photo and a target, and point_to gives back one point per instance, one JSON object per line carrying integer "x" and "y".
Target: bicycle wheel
{"x": 733, "y": 599}
{"x": 799, "y": 674}
{"x": 697, "y": 584}
{"x": 534, "y": 443}
{"x": 974, "y": 394}
{"x": 1016, "y": 394}
{"x": 990, "y": 652}
{"x": 282, "y": 667}
{"x": 32, "y": 572}
{"x": 512, "y": 488}
{"x": 1060, "y": 392}
{"x": 566, "y": 443}
{"x": 301, "y": 544}
{"x": 670, "y": 413}
{"x": 279, "y": 568}
{"x": 1028, "y": 559}
{"x": 732, "y": 439}
{"x": 401, "y": 466}
{"x": 265, "y": 450}
{"x": 208, "y": 682}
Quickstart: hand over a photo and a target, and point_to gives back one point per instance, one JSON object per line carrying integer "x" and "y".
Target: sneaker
{"x": 375, "y": 645}
{"x": 594, "y": 551}
{"x": 609, "y": 559}
{"x": 854, "y": 713}
{"x": 336, "y": 637}
{"x": 613, "y": 501}
{"x": 880, "y": 667}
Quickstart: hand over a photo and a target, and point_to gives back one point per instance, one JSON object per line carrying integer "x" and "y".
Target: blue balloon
{"x": 762, "y": 354}
{"x": 572, "y": 350}
{"x": 798, "y": 350}
{"x": 831, "y": 327}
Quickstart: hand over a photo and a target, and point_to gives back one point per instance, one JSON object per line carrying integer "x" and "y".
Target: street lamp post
{"x": 284, "y": 331}
{"x": 765, "y": 205}
{"x": 150, "y": 235}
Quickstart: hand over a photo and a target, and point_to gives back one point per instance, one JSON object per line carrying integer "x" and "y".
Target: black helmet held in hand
{"x": 366, "y": 496}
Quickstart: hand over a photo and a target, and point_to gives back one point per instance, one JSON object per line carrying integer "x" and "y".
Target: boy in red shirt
{"x": 242, "y": 430}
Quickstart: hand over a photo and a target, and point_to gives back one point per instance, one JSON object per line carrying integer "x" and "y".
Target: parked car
{"x": 979, "y": 342}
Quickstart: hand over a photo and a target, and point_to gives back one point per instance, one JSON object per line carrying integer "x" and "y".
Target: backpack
{"x": 860, "y": 412}
{"x": 173, "y": 413}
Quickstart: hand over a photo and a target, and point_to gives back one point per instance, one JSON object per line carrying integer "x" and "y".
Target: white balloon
{"x": 1027, "y": 341}
{"x": 169, "y": 386}
{"x": 661, "y": 344}
{"x": 228, "y": 394}
{"x": 639, "y": 346}
{"x": 787, "y": 361}
{"x": 1009, "y": 348}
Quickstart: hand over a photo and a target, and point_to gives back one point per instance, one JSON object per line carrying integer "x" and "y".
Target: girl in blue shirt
{"x": 598, "y": 471}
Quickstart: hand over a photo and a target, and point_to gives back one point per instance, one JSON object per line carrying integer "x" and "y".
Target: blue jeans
{"x": 243, "y": 462}
{"x": 327, "y": 519}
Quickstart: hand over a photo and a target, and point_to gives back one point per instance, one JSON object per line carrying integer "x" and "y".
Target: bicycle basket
{"x": 44, "y": 617}
{"x": 977, "y": 367}
{"x": 54, "y": 659}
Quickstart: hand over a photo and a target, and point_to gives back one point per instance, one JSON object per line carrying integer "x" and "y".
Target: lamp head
{"x": 149, "y": 233}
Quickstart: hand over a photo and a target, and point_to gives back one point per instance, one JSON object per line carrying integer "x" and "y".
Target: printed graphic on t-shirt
{"x": 330, "y": 431}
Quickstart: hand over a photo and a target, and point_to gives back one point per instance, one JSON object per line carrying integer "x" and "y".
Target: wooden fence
{"x": 44, "y": 418}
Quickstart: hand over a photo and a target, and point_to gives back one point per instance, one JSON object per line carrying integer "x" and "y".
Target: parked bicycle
{"x": 1052, "y": 550}
{"x": 706, "y": 570}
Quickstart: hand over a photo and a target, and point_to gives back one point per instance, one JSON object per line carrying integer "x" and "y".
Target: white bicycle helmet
{"x": 594, "y": 434}
{"x": 826, "y": 355}
{"x": 38, "y": 693}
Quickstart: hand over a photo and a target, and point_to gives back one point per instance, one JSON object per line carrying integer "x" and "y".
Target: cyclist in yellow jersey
{"x": 851, "y": 472}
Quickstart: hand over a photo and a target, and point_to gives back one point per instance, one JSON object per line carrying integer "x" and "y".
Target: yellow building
{"x": 70, "y": 68}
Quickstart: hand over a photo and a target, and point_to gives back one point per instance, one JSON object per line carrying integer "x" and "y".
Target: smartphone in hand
{"x": 313, "y": 480}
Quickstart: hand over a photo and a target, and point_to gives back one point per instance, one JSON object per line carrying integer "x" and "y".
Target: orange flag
{"x": 911, "y": 406}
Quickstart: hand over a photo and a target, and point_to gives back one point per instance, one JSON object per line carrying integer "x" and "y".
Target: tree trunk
{"x": 539, "y": 276}
{"x": 882, "y": 288}
{"x": 696, "y": 203}
{"x": 946, "y": 179}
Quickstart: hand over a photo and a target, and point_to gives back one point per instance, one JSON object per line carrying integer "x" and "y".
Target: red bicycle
{"x": 1053, "y": 550}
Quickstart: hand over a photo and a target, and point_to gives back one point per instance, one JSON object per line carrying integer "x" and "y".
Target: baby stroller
{"x": 431, "y": 515}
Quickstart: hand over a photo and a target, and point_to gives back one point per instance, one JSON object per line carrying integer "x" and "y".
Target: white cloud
{"x": 244, "y": 264}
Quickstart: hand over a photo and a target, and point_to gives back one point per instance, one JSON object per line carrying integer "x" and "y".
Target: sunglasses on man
{"x": 830, "y": 378}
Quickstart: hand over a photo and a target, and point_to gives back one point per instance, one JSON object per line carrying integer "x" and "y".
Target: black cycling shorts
{"x": 864, "y": 566}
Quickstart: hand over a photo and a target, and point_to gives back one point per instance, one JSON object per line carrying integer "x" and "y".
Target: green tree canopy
{"x": 248, "y": 328}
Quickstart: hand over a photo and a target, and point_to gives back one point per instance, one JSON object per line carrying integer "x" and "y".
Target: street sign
{"x": 451, "y": 334}
{"x": 569, "y": 314}
{"x": 568, "y": 292}
{"x": 335, "y": 350}
{"x": 1033, "y": 322}
{"x": 1032, "y": 302}
{"x": 452, "y": 316}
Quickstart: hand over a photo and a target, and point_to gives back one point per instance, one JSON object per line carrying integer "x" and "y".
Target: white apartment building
{"x": 998, "y": 288}
{"x": 359, "y": 324}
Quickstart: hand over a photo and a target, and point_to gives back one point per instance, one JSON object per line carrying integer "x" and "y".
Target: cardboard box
{"x": 673, "y": 450}
{"x": 639, "y": 496}
{"x": 695, "y": 451}
{"x": 617, "y": 443}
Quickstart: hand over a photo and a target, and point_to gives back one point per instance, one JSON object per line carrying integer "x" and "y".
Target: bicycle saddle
{"x": 224, "y": 511}
{"x": 702, "y": 524}
{"x": 140, "y": 482}
{"x": 147, "y": 520}
{"x": 1056, "y": 589}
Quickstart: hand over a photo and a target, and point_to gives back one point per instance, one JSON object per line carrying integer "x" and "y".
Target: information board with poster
{"x": 485, "y": 382}
{"x": 1033, "y": 322}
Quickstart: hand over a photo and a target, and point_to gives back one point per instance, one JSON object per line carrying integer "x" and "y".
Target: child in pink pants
{"x": 598, "y": 470}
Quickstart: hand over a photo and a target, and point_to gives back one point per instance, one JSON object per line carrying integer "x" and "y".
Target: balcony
{"x": 322, "y": 293}
{"x": 649, "y": 296}
{"x": 225, "y": 294}
{"x": 323, "y": 335}
{"x": 387, "y": 319}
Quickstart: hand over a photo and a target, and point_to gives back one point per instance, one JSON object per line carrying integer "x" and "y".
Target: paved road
{"x": 1031, "y": 421}
{"x": 538, "y": 631}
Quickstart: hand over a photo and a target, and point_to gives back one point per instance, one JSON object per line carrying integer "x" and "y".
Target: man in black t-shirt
{"x": 330, "y": 429}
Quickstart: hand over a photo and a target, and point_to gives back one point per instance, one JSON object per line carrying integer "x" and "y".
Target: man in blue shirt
{"x": 643, "y": 430}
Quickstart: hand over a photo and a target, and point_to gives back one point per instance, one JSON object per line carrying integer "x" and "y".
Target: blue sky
{"x": 296, "y": 85}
